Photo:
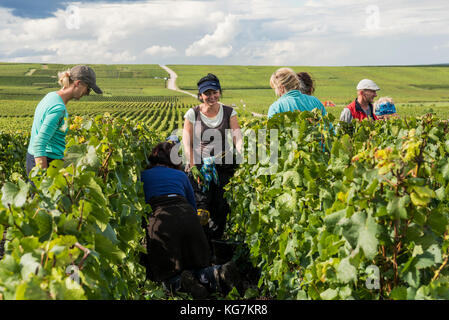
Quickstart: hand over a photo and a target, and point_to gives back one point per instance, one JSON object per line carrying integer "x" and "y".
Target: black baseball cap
{"x": 87, "y": 75}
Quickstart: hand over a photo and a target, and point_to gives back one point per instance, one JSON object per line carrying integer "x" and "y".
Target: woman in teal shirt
{"x": 47, "y": 141}
{"x": 286, "y": 85}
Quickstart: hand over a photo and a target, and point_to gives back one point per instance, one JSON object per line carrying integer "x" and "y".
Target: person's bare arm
{"x": 236, "y": 134}
{"x": 41, "y": 162}
{"x": 187, "y": 141}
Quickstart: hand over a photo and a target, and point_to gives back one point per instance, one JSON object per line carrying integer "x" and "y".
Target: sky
{"x": 226, "y": 32}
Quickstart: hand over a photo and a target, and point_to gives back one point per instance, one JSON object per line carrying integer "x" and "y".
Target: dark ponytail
{"x": 306, "y": 84}
{"x": 209, "y": 77}
{"x": 161, "y": 155}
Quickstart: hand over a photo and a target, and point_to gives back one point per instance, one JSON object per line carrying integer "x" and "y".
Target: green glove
{"x": 197, "y": 174}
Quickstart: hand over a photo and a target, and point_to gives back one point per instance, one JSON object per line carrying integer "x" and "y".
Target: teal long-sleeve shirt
{"x": 49, "y": 128}
{"x": 294, "y": 100}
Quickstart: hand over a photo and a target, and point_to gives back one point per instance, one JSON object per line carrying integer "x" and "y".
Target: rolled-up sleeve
{"x": 346, "y": 115}
{"x": 272, "y": 111}
{"x": 51, "y": 123}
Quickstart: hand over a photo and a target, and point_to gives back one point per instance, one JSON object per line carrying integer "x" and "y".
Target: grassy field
{"x": 408, "y": 86}
{"x": 128, "y": 91}
{"x": 416, "y": 90}
{"x": 32, "y": 81}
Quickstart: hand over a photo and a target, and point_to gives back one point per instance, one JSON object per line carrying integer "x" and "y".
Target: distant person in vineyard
{"x": 49, "y": 129}
{"x": 287, "y": 86}
{"x": 385, "y": 108}
{"x": 362, "y": 107}
{"x": 178, "y": 250}
{"x": 306, "y": 83}
{"x": 211, "y": 130}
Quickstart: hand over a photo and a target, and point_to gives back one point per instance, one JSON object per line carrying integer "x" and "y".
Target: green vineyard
{"x": 161, "y": 117}
{"x": 359, "y": 212}
{"x": 386, "y": 210}
{"x": 87, "y": 226}
{"x": 349, "y": 211}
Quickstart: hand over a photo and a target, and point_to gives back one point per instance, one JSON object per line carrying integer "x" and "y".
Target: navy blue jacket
{"x": 160, "y": 181}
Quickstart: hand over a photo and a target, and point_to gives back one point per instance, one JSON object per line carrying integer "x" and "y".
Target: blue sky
{"x": 244, "y": 32}
{"x": 44, "y": 8}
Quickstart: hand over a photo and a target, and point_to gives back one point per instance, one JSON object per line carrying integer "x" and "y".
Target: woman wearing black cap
{"x": 47, "y": 141}
{"x": 207, "y": 128}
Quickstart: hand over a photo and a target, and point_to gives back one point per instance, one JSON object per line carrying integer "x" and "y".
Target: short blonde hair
{"x": 64, "y": 79}
{"x": 285, "y": 77}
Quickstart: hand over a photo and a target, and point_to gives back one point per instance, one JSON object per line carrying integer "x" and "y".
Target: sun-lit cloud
{"x": 217, "y": 44}
{"x": 163, "y": 50}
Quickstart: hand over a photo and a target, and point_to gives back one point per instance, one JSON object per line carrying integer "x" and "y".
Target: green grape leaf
{"x": 31, "y": 290}
{"x": 329, "y": 294}
{"x": 93, "y": 189}
{"x": 45, "y": 223}
{"x": 107, "y": 249}
{"x": 346, "y": 272}
{"x": 438, "y": 222}
{"x": 361, "y": 230}
{"x": 397, "y": 207}
{"x": 399, "y": 293}
{"x": 14, "y": 195}
{"x": 291, "y": 179}
{"x": 333, "y": 219}
{"x": 430, "y": 257}
{"x": 30, "y": 265}
{"x": 419, "y": 200}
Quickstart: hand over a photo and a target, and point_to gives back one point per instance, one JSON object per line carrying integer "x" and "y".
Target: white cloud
{"x": 158, "y": 50}
{"x": 218, "y": 43}
{"x": 318, "y": 32}
{"x": 106, "y": 33}
{"x": 296, "y": 52}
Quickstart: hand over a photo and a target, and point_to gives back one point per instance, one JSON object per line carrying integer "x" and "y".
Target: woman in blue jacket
{"x": 286, "y": 85}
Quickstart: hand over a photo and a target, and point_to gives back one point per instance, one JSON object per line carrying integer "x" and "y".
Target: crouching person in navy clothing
{"x": 178, "y": 251}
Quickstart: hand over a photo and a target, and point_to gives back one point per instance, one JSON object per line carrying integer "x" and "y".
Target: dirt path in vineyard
{"x": 171, "y": 82}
